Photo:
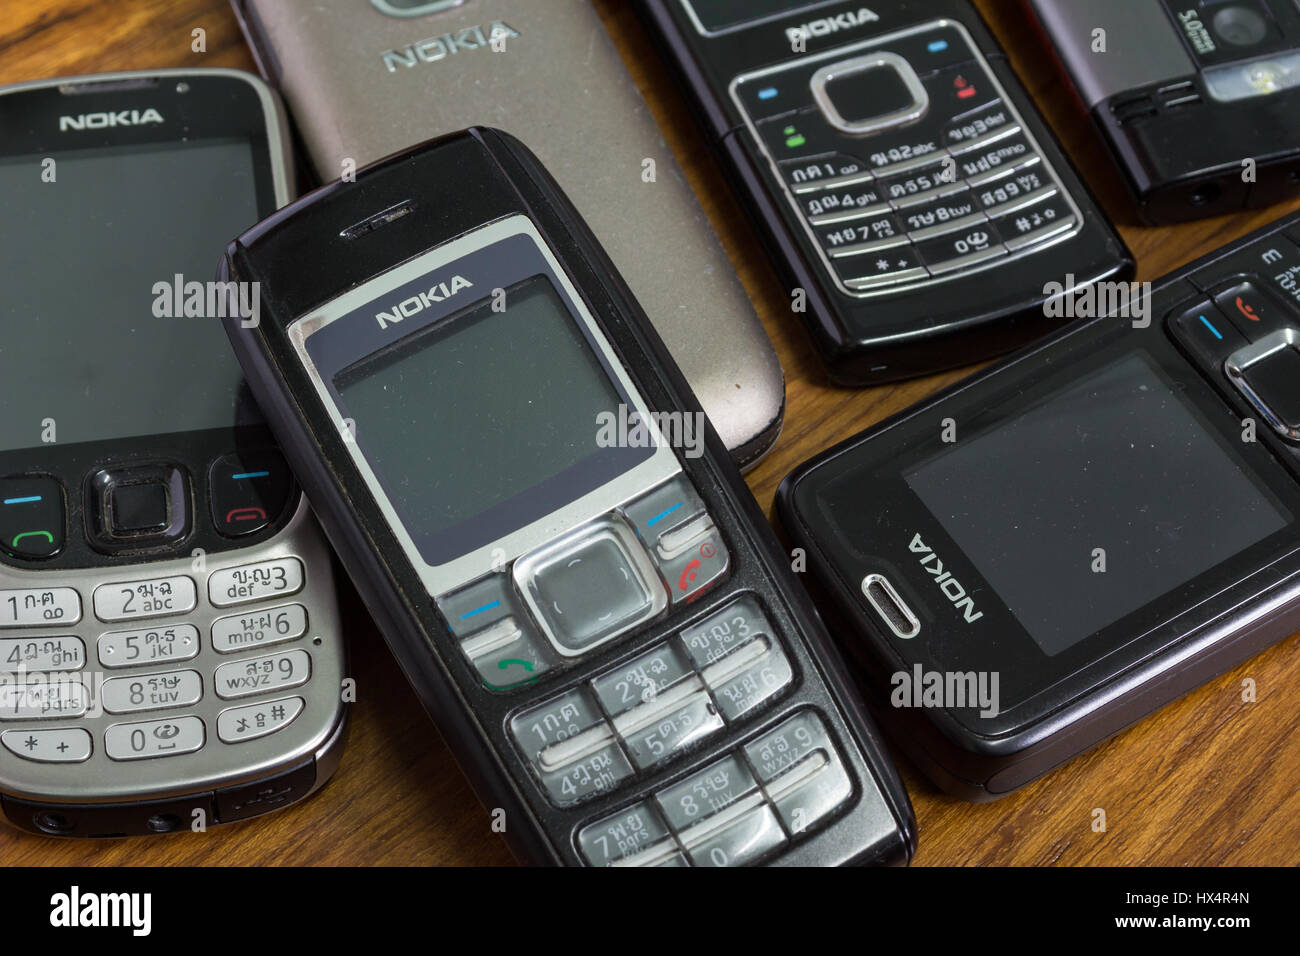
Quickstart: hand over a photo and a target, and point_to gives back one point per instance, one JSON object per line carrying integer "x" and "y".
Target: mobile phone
{"x": 370, "y": 78}
{"x": 170, "y": 654}
{"x": 897, "y": 171}
{"x": 552, "y": 538}
{"x": 1059, "y": 546}
{"x": 1196, "y": 100}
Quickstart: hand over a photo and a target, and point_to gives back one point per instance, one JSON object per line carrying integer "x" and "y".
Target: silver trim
{"x": 900, "y": 607}
{"x": 443, "y": 579}
{"x": 902, "y": 282}
{"x": 432, "y": 8}
{"x": 1244, "y": 359}
{"x": 902, "y": 117}
{"x": 216, "y": 765}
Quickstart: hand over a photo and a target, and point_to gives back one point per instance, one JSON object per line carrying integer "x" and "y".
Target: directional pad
{"x": 591, "y": 586}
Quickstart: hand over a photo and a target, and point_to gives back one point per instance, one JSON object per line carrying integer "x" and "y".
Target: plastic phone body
{"x": 897, "y": 172}
{"x": 584, "y": 596}
{"x": 1102, "y": 523}
{"x": 169, "y": 632}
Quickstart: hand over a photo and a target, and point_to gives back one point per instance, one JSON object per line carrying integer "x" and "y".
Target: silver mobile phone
{"x": 170, "y": 648}
{"x": 366, "y": 78}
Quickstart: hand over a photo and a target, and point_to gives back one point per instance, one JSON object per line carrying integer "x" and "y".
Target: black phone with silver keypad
{"x": 170, "y": 651}
{"x": 909, "y": 193}
{"x": 546, "y": 528}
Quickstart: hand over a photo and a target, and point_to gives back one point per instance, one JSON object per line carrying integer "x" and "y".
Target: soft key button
{"x": 124, "y": 695}
{"x": 153, "y": 645}
{"x": 152, "y": 598}
{"x": 571, "y": 747}
{"x": 39, "y": 607}
{"x": 692, "y": 558}
{"x": 253, "y": 582}
{"x": 42, "y": 653}
{"x": 633, "y": 837}
{"x": 274, "y": 625}
{"x": 801, "y": 770}
{"x": 262, "y": 674}
{"x": 496, "y": 633}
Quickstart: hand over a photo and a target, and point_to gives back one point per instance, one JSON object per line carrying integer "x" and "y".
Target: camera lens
{"x": 1239, "y": 26}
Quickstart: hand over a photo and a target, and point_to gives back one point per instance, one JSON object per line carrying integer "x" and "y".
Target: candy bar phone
{"x": 1195, "y": 100}
{"x": 552, "y": 539}
{"x": 898, "y": 173}
{"x": 1080, "y": 535}
{"x": 366, "y": 78}
{"x": 169, "y": 635}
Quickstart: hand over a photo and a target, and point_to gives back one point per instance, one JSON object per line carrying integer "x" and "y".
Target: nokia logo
{"x": 416, "y": 304}
{"x": 949, "y": 585}
{"x": 104, "y": 120}
{"x": 449, "y": 44}
{"x": 829, "y": 25}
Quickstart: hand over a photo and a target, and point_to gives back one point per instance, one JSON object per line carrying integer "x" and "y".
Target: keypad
{"x": 656, "y": 706}
{"x": 1247, "y": 329}
{"x": 46, "y": 676}
{"x": 600, "y": 582}
{"x": 734, "y": 811}
{"x": 892, "y": 200}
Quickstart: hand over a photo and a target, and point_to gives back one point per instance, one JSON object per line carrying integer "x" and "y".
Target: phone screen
{"x": 92, "y": 343}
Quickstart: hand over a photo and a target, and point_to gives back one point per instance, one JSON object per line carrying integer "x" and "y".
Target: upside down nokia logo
{"x": 950, "y": 586}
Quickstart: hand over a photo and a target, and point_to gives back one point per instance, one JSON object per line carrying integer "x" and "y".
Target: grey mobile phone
{"x": 170, "y": 645}
{"x": 367, "y": 78}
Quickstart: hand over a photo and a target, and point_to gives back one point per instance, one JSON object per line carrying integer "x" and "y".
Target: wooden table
{"x": 1208, "y": 780}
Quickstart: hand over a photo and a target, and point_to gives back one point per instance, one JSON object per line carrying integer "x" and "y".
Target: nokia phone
{"x": 170, "y": 654}
{"x": 1196, "y": 101}
{"x": 548, "y": 532}
{"x": 897, "y": 171}
{"x": 364, "y": 79}
{"x": 1049, "y": 551}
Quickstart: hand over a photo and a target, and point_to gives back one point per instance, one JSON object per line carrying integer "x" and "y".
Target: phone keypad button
{"x": 820, "y": 173}
{"x": 636, "y": 836}
{"x": 65, "y": 653}
{"x": 643, "y": 679}
{"x": 750, "y": 676}
{"x": 43, "y": 696}
{"x": 862, "y": 236}
{"x": 801, "y": 771}
{"x": 571, "y": 747}
{"x": 39, "y": 607}
{"x": 1208, "y": 333}
{"x": 49, "y": 745}
{"x": 960, "y": 250}
{"x": 247, "y": 491}
{"x": 250, "y": 721}
{"x": 142, "y": 740}
{"x": 1254, "y": 313}
{"x": 846, "y": 204}
{"x": 162, "y": 644}
{"x": 697, "y": 561}
{"x": 260, "y": 628}
{"x": 125, "y": 695}
{"x": 660, "y": 729}
{"x": 1036, "y": 222}
{"x": 157, "y": 597}
{"x": 255, "y": 582}
{"x": 260, "y": 675}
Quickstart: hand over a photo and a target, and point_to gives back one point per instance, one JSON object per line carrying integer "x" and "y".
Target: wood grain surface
{"x": 1208, "y": 780}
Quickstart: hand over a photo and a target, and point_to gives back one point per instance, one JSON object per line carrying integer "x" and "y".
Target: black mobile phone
{"x": 547, "y": 530}
{"x": 1196, "y": 100}
{"x": 1051, "y": 550}
{"x": 898, "y": 172}
{"x": 170, "y": 648}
